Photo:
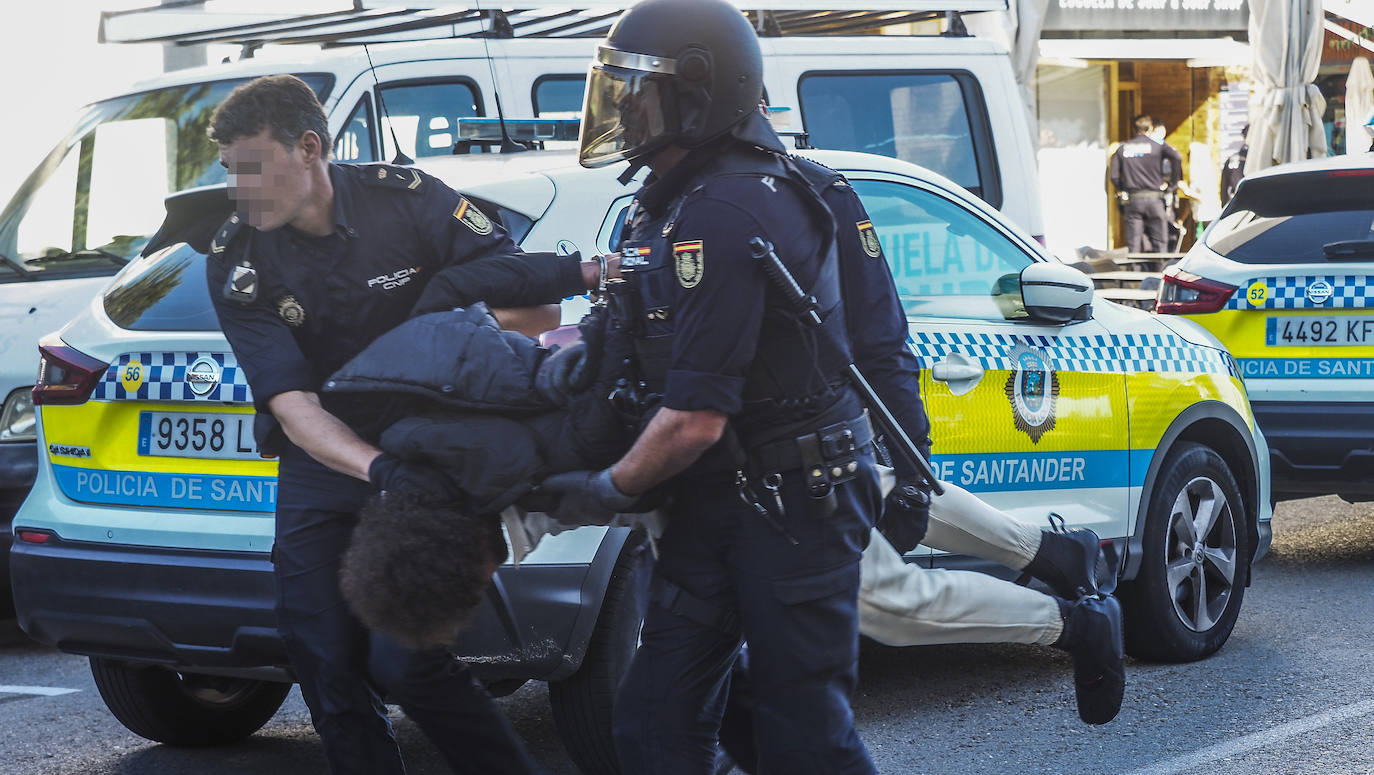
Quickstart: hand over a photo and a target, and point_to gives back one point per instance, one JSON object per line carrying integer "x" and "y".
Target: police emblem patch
{"x": 1033, "y": 390}
{"x": 689, "y": 261}
{"x": 869, "y": 239}
{"x": 290, "y": 311}
{"x": 473, "y": 218}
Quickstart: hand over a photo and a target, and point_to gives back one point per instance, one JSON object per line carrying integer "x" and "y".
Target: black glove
{"x": 564, "y": 373}
{"x": 389, "y": 473}
{"x": 586, "y": 497}
{"x": 906, "y": 515}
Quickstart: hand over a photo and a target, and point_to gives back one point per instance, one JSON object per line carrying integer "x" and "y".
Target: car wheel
{"x": 182, "y": 708}
{"x": 583, "y": 702}
{"x": 1184, "y": 603}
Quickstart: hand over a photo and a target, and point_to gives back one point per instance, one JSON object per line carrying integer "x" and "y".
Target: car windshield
{"x": 1291, "y": 218}
{"x": 94, "y": 202}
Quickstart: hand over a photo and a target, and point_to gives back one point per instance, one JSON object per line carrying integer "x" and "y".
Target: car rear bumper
{"x": 1319, "y": 448}
{"x": 212, "y": 612}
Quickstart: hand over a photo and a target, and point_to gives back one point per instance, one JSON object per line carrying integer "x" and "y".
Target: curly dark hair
{"x": 284, "y": 103}
{"x": 416, "y": 571}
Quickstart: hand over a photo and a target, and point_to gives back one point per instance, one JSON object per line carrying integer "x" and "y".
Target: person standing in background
{"x": 1234, "y": 169}
{"x": 1142, "y": 181}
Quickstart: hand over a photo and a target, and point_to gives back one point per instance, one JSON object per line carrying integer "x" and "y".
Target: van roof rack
{"x": 192, "y": 22}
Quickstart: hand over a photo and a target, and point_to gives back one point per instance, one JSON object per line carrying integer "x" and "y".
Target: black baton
{"x": 806, "y": 304}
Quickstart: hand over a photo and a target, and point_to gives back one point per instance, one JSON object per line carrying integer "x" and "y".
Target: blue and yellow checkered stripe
{"x": 1114, "y": 353}
{"x": 1351, "y": 291}
{"x": 164, "y": 379}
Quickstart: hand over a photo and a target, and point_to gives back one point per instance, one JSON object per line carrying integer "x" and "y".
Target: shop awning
{"x": 1198, "y": 52}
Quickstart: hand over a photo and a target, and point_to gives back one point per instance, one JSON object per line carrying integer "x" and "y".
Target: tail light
{"x": 65, "y": 376}
{"x": 1184, "y": 293}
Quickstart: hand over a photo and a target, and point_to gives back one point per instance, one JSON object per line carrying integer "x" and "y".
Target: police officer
{"x": 1233, "y": 170}
{"x": 1138, "y": 172}
{"x": 319, "y": 260}
{"x": 773, "y": 483}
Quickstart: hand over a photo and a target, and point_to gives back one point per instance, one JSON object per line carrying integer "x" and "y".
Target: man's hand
{"x": 906, "y": 515}
{"x": 389, "y": 473}
{"x": 586, "y": 495}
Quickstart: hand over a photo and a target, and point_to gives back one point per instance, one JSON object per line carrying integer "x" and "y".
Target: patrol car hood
{"x": 28, "y": 312}
{"x": 1190, "y": 331}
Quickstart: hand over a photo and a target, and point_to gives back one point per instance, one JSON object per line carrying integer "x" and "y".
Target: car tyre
{"x": 1183, "y": 604}
{"x": 185, "y": 709}
{"x": 583, "y": 702}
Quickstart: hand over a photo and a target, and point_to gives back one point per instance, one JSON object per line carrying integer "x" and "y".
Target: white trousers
{"x": 904, "y": 604}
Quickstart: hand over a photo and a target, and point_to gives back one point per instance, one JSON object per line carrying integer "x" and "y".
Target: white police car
{"x": 146, "y": 539}
{"x": 1285, "y": 279}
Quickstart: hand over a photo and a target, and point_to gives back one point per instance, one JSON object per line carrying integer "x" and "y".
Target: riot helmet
{"x": 673, "y": 71}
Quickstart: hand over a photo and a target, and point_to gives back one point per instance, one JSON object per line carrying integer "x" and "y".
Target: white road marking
{"x": 1194, "y": 761}
{"x": 41, "y": 691}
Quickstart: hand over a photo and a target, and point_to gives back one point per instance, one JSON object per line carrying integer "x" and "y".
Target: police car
{"x": 146, "y": 541}
{"x": 1285, "y": 279}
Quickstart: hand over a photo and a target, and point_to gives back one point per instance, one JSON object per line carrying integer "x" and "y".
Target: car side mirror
{"x": 1056, "y": 293}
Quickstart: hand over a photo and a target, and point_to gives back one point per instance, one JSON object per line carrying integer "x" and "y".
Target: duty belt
{"x": 1147, "y": 194}
{"x": 829, "y": 447}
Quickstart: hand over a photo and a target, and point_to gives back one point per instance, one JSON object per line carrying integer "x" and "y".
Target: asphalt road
{"x": 1291, "y": 692}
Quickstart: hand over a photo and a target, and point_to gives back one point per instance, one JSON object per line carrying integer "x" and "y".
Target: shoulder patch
{"x": 224, "y": 236}
{"x": 869, "y": 239}
{"x": 472, "y": 217}
{"x": 689, "y": 262}
{"x": 387, "y": 176}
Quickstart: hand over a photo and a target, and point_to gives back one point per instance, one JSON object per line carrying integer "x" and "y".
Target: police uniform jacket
{"x": 296, "y": 307}
{"x": 876, "y": 322}
{"x": 711, "y": 330}
{"x": 1138, "y": 165}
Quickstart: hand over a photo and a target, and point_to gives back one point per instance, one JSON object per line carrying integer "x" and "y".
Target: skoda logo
{"x": 1320, "y": 292}
{"x": 203, "y": 376}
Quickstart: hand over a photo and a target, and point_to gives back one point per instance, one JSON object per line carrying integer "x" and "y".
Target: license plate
{"x": 1344, "y": 331}
{"x": 197, "y": 434}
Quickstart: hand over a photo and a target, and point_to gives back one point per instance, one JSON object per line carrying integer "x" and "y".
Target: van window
{"x": 935, "y": 119}
{"x": 354, "y": 144}
{"x": 558, "y": 96}
{"x": 946, "y": 260}
{"x": 93, "y": 203}
{"x": 424, "y": 116}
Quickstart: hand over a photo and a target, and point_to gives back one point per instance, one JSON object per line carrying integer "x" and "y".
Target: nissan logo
{"x": 203, "y": 376}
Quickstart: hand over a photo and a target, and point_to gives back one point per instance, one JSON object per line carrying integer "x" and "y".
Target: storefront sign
{"x": 1147, "y": 15}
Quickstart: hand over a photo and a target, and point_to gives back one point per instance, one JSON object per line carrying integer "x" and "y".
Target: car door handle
{"x": 960, "y": 372}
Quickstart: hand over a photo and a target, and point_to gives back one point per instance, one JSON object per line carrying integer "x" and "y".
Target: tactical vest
{"x": 794, "y": 377}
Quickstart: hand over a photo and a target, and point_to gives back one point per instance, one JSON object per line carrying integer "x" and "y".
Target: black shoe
{"x": 1092, "y": 635}
{"x": 1069, "y": 561}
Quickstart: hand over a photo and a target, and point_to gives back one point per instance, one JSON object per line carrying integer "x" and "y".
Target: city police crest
{"x": 1033, "y": 390}
{"x": 473, "y": 218}
{"x": 689, "y": 263}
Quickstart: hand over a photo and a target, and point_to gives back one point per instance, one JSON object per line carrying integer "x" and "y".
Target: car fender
{"x": 1205, "y": 423}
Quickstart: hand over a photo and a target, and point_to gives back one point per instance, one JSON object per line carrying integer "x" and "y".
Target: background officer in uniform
{"x": 1233, "y": 170}
{"x": 1138, "y": 173}
{"x": 748, "y": 402}
{"x": 319, "y": 260}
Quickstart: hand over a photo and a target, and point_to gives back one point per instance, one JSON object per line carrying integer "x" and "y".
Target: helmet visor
{"x": 625, "y": 114}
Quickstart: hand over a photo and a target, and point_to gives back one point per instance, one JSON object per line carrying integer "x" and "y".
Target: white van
{"x": 97, "y": 198}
